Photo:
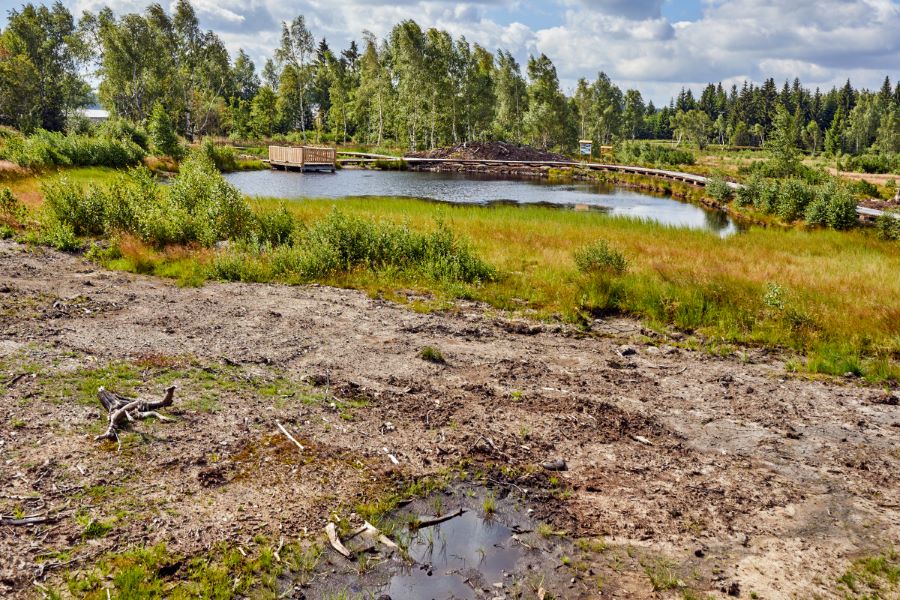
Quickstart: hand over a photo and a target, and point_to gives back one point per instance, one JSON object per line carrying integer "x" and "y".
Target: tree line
{"x": 416, "y": 88}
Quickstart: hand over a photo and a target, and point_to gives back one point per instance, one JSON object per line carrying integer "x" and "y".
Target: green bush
{"x": 599, "y": 257}
{"x": 60, "y": 236}
{"x": 865, "y": 189}
{"x": 199, "y": 206}
{"x": 653, "y": 154}
{"x": 201, "y": 190}
{"x": 888, "y": 226}
{"x": 163, "y": 138}
{"x": 793, "y": 197}
{"x": 841, "y": 209}
{"x": 749, "y": 194}
{"x": 223, "y": 157}
{"x": 874, "y": 163}
{"x": 718, "y": 189}
{"x": 51, "y": 149}
{"x": 123, "y": 129}
{"x": 275, "y": 227}
{"x": 10, "y": 207}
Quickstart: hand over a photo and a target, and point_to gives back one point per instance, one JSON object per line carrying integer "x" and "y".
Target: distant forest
{"x": 415, "y": 88}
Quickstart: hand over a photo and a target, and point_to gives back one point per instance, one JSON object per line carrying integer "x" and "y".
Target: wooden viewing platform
{"x": 305, "y": 158}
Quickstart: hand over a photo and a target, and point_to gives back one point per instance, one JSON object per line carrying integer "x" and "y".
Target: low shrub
{"x": 223, "y": 157}
{"x": 888, "y": 226}
{"x": 653, "y": 154}
{"x": 52, "y": 149}
{"x": 275, "y": 227}
{"x": 123, "y": 129}
{"x": 11, "y": 210}
{"x": 599, "y": 257}
{"x": 793, "y": 197}
{"x": 830, "y": 205}
{"x": 719, "y": 190}
{"x": 198, "y": 207}
{"x": 749, "y": 193}
{"x": 873, "y": 163}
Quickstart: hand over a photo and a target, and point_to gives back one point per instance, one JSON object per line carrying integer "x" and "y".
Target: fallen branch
{"x": 331, "y": 531}
{"x": 289, "y": 436}
{"x": 30, "y": 520}
{"x": 428, "y": 522}
{"x": 121, "y": 408}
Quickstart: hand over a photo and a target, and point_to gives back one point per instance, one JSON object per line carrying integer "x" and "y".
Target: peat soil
{"x": 723, "y": 472}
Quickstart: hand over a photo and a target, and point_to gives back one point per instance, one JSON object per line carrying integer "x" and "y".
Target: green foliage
{"x": 888, "y": 226}
{"x": 10, "y": 207}
{"x": 60, "y": 236}
{"x": 873, "y": 163}
{"x": 163, "y": 138}
{"x": 118, "y": 128}
{"x": 342, "y": 242}
{"x": 600, "y": 257}
{"x": 793, "y": 197}
{"x": 199, "y": 206}
{"x": 223, "y": 157}
{"x": 275, "y": 227}
{"x": 432, "y": 354}
{"x": 52, "y": 149}
{"x": 718, "y": 189}
{"x": 644, "y": 153}
{"x": 830, "y": 205}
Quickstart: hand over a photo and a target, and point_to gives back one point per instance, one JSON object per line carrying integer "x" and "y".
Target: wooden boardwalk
{"x": 305, "y": 158}
{"x": 689, "y": 178}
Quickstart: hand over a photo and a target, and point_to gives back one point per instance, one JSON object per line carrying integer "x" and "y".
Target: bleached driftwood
{"x": 121, "y": 408}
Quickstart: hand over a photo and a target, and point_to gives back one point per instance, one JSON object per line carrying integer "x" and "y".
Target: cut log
{"x": 121, "y": 408}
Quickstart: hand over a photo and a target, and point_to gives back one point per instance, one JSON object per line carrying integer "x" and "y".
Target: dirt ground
{"x": 754, "y": 482}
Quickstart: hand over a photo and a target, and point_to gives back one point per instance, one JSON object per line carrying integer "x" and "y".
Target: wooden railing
{"x": 300, "y": 156}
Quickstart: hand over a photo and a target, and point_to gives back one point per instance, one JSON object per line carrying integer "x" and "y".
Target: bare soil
{"x": 745, "y": 478}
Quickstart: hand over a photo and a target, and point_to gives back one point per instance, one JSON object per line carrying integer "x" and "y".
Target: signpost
{"x": 586, "y": 147}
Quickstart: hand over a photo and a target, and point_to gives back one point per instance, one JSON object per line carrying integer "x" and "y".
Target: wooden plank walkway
{"x": 690, "y": 178}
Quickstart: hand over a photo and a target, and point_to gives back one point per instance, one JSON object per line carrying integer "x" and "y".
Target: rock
{"x": 732, "y": 589}
{"x": 888, "y": 399}
{"x": 557, "y": 464}
{"x": 627, "y": 351}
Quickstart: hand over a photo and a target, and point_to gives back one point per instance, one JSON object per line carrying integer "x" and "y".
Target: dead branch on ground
{"x": 121, "y": 408}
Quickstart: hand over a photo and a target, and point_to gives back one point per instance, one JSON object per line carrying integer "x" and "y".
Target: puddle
{"x": 470, "y": 556}
{"x": 455, "y": 558}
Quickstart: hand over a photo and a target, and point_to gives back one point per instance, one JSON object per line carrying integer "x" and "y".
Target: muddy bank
{"x": 724, "y": 469}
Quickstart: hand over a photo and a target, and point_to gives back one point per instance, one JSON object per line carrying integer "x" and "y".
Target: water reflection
{"x": 480, "y": 189}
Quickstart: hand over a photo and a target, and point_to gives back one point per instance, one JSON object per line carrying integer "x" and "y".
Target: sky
{"x": 655, "y": 46}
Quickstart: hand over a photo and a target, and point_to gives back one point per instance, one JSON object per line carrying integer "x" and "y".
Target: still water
{"x": 474, "y": 189}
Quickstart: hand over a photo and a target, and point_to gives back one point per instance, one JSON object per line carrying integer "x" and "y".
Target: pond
{"x": 487, "y": 190}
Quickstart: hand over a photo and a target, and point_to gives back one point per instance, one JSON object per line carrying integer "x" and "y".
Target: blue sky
{"x": 656, "y": 46}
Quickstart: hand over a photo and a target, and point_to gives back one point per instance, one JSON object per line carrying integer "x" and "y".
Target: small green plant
{"x": 489, "y": 504}
{"x": 432, "y": 355}
{"x": 600, "y": 257}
